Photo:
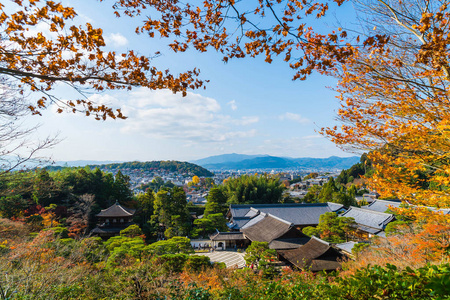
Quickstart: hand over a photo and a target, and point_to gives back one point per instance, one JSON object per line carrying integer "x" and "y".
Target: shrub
{"x": 172, "y": 263}
{"x": 197, "y": 263}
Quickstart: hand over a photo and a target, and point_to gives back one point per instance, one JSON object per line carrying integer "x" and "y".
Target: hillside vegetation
{"x": 169, "y": 166}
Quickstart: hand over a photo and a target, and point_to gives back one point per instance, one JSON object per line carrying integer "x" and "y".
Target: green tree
{"x": 146, "y": 202}
{"x": 122, "y": 187}
{"x": 13, "y": 206}
{"x": 216, "y": 202}
{"x": 327, "y": 191}
{"x": 170, "y": 211}
{"x": 332, "y": 228}
{"x": 259, "y": 255}
{"x": 131, "y": 231}
{"x": 312, "y": 196}
{"x": 253, "y": 189}
{"x": 173, "y": 245}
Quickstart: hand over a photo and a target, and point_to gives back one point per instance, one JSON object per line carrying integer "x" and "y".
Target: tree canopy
{"x": 74, "y": 54}
{"x": 253, "y": 189}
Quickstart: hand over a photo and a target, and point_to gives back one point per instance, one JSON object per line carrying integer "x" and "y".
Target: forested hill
{"x": 169, "y": 165}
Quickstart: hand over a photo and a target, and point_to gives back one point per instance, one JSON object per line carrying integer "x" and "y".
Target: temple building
{"x": 112, "y": 220}
{"x": 316, "y": 255}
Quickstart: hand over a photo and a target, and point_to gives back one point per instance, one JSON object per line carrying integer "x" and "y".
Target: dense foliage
{"x": 180, "y": 167}
{"x": 49, "y": 267}
{"x": 70, "y": 197}
{"x": 332, "y": 228}
{"x": 253, "y": 189}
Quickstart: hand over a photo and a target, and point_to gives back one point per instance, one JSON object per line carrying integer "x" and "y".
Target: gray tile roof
{"x": 227, "y": 236}
{"x": 296, "y": 213}
{"x": 382, "y": 205}
{"x": 254, "y": 220}
{"x": 369, "y": 219}
{"x": 346, "y": 247}
{"x": 116, "y": 211}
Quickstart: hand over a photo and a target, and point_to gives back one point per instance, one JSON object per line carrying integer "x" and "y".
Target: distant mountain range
{"x": 245, "y": 162}
{"x": 235, "y": 161}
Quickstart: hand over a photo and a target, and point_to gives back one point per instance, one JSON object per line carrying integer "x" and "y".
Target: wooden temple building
{"x": 316, "y": 255}
{"x": 112, "y": 220}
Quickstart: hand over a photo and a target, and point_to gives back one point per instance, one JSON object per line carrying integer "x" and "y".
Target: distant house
{"x": 369, "y": 222}
{"x": 299, "y": 214}
{"x": 316, "y": 255}
{"x": 112, "y": 220}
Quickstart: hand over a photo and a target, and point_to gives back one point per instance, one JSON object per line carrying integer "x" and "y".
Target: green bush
{"x": 430, "y": 282}
{"x": 198, "y": 263}
{"x": 172, "y": 263}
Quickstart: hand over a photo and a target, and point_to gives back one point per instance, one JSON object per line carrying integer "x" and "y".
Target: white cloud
{"x": 294, "y": 117}
{"x": 193, "y": 118}
{"x": 116, "y": 39}
{"x": 232, "y": 104}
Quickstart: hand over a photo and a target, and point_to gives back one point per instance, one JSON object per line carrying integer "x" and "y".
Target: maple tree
{"x": 394, "y": 102}
{"x": 72, "y": 54}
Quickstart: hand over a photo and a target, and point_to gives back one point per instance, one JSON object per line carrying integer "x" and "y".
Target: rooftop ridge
{"x": 367, "y": 210}
{"x": 279, "y": 219}
{"x": 277, "y": 204}
{"x": 320, "y": 240}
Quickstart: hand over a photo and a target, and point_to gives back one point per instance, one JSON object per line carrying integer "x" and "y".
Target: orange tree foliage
{"x": 395, "y": 101}
{"x": 238, "y": 29}
{"x": 72, "y": 54}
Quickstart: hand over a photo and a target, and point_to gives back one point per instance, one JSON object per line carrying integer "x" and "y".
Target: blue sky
{"x": 248, "y": 107}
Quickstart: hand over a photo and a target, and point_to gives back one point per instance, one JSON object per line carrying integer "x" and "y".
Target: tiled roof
{"x": 253, "y": 221}
{"x": 116, "y": 211}
{"x": 316, "y": 255}
{"x": 369, "y": 218}
{"x": 296, "y": 213}
{"x": 227, "y": 236}
{"x": 382, "y": 205}
{"x": 283, "y": 244}
{"x": 268, "y": 229}
{"x": 347, "y": 247}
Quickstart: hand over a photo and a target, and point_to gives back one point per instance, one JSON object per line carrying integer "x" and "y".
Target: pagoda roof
{"x": 116, "y": 211}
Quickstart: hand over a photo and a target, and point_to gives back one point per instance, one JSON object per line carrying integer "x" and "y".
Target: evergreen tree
{"x": 216, "y": 202}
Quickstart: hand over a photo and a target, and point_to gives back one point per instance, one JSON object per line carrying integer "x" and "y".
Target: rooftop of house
{"x": 296, "y": 213}
{"x": 382, "y": 205}
{"x": 227, "y": 236}
{"x": 346, "y": 247}
{"x": 316, "y": 255}
{"x": 369, "y": 220}
{"x": 267, "y": 229}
